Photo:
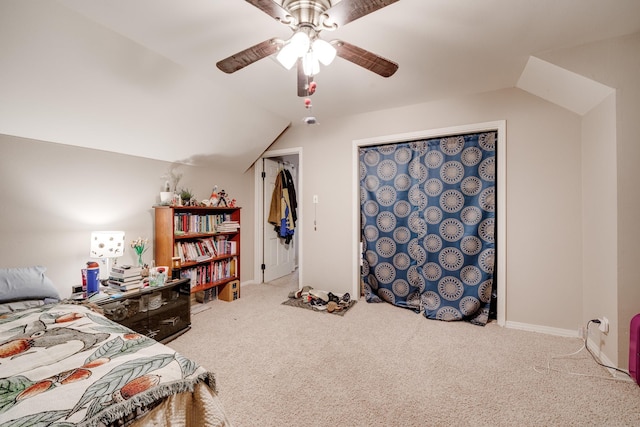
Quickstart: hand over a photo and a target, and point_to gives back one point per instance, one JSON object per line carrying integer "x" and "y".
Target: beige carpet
{"x": 384, "y": 366}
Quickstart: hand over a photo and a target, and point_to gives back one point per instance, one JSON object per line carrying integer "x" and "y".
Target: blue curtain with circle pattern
{"x": 428, "y": 221}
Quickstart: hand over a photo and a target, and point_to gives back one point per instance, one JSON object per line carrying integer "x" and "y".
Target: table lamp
{"x": 106, "y": 245}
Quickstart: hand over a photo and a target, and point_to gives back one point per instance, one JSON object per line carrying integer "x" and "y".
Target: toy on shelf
{"x": 222, "y": 198}
{"x": 213, "y": 199}
{"x": 219, "y": 198}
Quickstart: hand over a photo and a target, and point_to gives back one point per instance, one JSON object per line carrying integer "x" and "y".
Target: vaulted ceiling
{"x": 444, "y": 48}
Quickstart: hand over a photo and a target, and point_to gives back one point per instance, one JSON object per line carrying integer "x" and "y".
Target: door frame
{"x": 259, "y": 215}
{"x": 501, "y": 203}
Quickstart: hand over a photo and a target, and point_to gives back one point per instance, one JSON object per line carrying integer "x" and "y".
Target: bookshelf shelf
{"x": 200, "y": 235}
{"x": 209, "y": 257}
{"x": 213, "y": 284}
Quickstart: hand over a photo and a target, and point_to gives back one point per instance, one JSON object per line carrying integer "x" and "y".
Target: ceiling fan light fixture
{"x": 295, "y": 48}
{"x": 323, "y": 51}
{"x": 301, "y": 42}
{"x": 310, "y": 64}
{"x": 287, "y": 56}
{"x": 307, "y": 18}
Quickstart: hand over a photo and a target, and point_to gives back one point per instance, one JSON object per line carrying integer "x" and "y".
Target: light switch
{"x": 315, "y": 198}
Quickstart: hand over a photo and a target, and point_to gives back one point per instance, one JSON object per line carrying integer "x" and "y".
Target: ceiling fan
{"x": 305, "y": 49}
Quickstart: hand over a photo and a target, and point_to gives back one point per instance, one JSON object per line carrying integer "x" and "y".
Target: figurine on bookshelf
{"x": 213, "y": 199}
{"x": 222, "y": 198}
{"x": 217, "y": 198}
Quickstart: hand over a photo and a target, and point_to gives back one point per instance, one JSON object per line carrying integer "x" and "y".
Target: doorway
{"x": 276, "y": 257}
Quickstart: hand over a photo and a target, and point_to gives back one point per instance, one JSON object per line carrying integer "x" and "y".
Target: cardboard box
{"x": 230, "y": 291}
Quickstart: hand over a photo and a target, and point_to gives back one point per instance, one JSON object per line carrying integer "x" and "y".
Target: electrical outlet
{"x": 604, "y": 325}
{"x": 315, "y": 198}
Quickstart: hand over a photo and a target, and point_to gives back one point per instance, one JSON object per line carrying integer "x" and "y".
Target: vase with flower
{"x": 139, "y": 245}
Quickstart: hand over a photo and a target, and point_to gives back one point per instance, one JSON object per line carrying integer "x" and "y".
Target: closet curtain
{"x": 428, "y": 225}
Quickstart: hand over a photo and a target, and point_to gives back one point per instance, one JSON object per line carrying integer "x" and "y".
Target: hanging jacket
{"x": 281, "y": 213}
{"x": 293, "y": 203}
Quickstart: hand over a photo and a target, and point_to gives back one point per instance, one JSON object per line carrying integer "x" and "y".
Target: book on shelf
{"x": 225, "y": 246}
{"x": 209, "y": 273}
{"x": 184, "y": 222}
{"x": 197, "y": 251}
{"x": 227, "y": 226}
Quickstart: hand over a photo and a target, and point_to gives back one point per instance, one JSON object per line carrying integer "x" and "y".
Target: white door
{"x": 279, "y": 257}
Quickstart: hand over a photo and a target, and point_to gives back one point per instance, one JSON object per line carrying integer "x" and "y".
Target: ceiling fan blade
{"x": 350, "y": 10}
{"x": 364, "y": 58}
{"x": 303, "y": 80}
{"x": 249, "y": 56}
{"x": 272, "y": 9}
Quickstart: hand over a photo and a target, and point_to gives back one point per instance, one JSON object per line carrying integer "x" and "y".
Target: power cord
{"x": 597, "y": 321}
{"x": 584, "y": 346}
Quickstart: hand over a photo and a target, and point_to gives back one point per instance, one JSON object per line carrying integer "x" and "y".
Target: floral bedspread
{"x": 65, "y": 365}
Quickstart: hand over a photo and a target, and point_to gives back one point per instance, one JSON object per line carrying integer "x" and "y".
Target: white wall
{"x": 600, "y": 223}
{"x": 616, "y": 63}
{"x": 54, "y": 195}
{"x": 543, "y": 196}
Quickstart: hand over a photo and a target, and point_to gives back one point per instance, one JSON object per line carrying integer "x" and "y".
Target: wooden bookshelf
{"x": 209, "y": 251}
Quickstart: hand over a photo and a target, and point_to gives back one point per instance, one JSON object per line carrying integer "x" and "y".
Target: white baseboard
{"x": 542, "y": 329}
{"x": 248, "y": 282}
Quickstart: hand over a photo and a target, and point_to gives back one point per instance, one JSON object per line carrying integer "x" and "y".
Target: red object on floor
{"x": 634, "y": 348}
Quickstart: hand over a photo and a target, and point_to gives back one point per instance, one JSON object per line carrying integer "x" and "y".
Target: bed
{"x": 65, "y": 364}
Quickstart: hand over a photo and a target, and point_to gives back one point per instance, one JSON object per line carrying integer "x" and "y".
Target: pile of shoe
{"x": 322, "y": 300}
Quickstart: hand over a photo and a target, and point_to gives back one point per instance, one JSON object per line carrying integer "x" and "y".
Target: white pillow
{"x": 26, "y": 283}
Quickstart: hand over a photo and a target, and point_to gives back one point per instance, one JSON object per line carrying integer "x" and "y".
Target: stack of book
{"x": 228, "y": 226}
{"x": 125, "y": 278}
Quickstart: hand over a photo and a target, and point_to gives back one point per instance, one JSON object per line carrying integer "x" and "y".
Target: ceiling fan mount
{"x": 308, "y": 12}
{"x": 311, "y": 17}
